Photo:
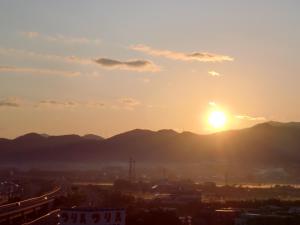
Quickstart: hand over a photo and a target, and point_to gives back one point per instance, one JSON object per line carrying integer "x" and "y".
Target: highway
{"x": 21, "y": 209}
{"x": 29, "y": 201}
{"x": 50, "y": 218}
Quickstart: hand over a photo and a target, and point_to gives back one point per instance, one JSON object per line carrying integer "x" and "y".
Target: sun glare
{"x": 217, "y": 119}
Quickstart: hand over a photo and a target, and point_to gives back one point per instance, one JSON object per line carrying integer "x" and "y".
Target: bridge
{"x": 19, "y": 212}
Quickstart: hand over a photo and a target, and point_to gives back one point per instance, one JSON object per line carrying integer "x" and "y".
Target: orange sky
{"x": 106, "y": 67}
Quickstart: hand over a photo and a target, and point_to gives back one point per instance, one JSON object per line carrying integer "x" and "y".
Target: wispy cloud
{"x": 52, "y": 57}
{"x": 122, "y": 103}
{"x": 129, "y": 103}
{"x": 61, "y": 38}
{"x": 30, "y": 34}
{"x": 95, "y": 104}
{"x": 250, "y": 118}
{"x": 125, "y": 103}
{"x": 145, "y": 80}
{"x": 216, "y": 106}
{"x": 212, "y": 104}
{"x": 58, "y": 103}
{"x": 194, "y": 56}
{"x": 10, "y": 102}
{"x": 51, "y": 103}
{"x": 214, "y": 73}
{"x": 27, "y": 70}
{"x": 133, "y": 65}
{"x": 136, "y": 65}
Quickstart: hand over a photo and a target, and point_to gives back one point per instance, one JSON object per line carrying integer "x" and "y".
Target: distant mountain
{"x": 30, "y": 137}
{"x": 271, "y": 143}
{"x": 4, "y": 141}
{"x": 45, "y": 135}
{"x": 289, "y": 124}
{"x": 93, "y": 137}
{"x": 266, "y": 143}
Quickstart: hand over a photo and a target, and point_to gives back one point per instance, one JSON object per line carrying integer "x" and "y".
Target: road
{"x": 50, "y": 218}
{"x": 28, "y": 202}
{"x": 25, "y": 207}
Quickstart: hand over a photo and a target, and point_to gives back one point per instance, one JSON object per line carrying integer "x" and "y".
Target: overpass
{"x": 18, "y": 212}
{"x": 50, "y": 218}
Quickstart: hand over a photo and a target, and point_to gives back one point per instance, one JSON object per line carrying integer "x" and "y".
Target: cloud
{"x": 61, "y": 38}
{"x": 95, "y": 104}
{"x": 30, "y": 34}
{"x": 65, "y": 59}
{"x": 145, "y": 80}
{"x": 214, "y": 73}
{"x": 250, "y": 118}
{"x": 212, "y": 104}
{"x": 195, "y": 56}
{"x": 12, "y": 69}
{"x": 58, "y": 103}
{"x": 136, "y": 65}
{"x": 129, "y": 103}
{"x": 125, "y": 103}
{"x": 10, "y": 102}
{"x": 150, "y": 106}
{"x": 133, "y": 65}
{"x": 50, "y": 103}
{"x": 122, "y": 103}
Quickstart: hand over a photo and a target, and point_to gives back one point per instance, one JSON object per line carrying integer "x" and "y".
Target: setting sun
{"x": 217, "y": 119}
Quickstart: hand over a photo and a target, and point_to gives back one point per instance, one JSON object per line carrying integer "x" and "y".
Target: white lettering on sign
{"x": 92, "y": 217}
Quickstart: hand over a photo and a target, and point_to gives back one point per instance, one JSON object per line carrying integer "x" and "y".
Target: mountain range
{"x": 272, "y": 143}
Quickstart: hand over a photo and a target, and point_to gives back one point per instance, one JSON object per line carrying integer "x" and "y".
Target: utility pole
{"x": 226, "y": 178}
{"x": 130, "y": 170}
{"x": 133, "y": 170}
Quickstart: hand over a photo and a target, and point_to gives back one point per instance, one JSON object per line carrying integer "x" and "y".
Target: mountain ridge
{"x": 269, "y": 143}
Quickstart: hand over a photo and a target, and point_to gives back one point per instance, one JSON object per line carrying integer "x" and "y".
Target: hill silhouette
{"x": 271, "y": 143}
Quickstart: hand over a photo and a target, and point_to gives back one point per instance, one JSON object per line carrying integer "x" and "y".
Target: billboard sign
{"x": 92, "y": 216}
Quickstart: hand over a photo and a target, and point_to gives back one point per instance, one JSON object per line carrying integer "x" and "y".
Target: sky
{"x": 106, "y": 67}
